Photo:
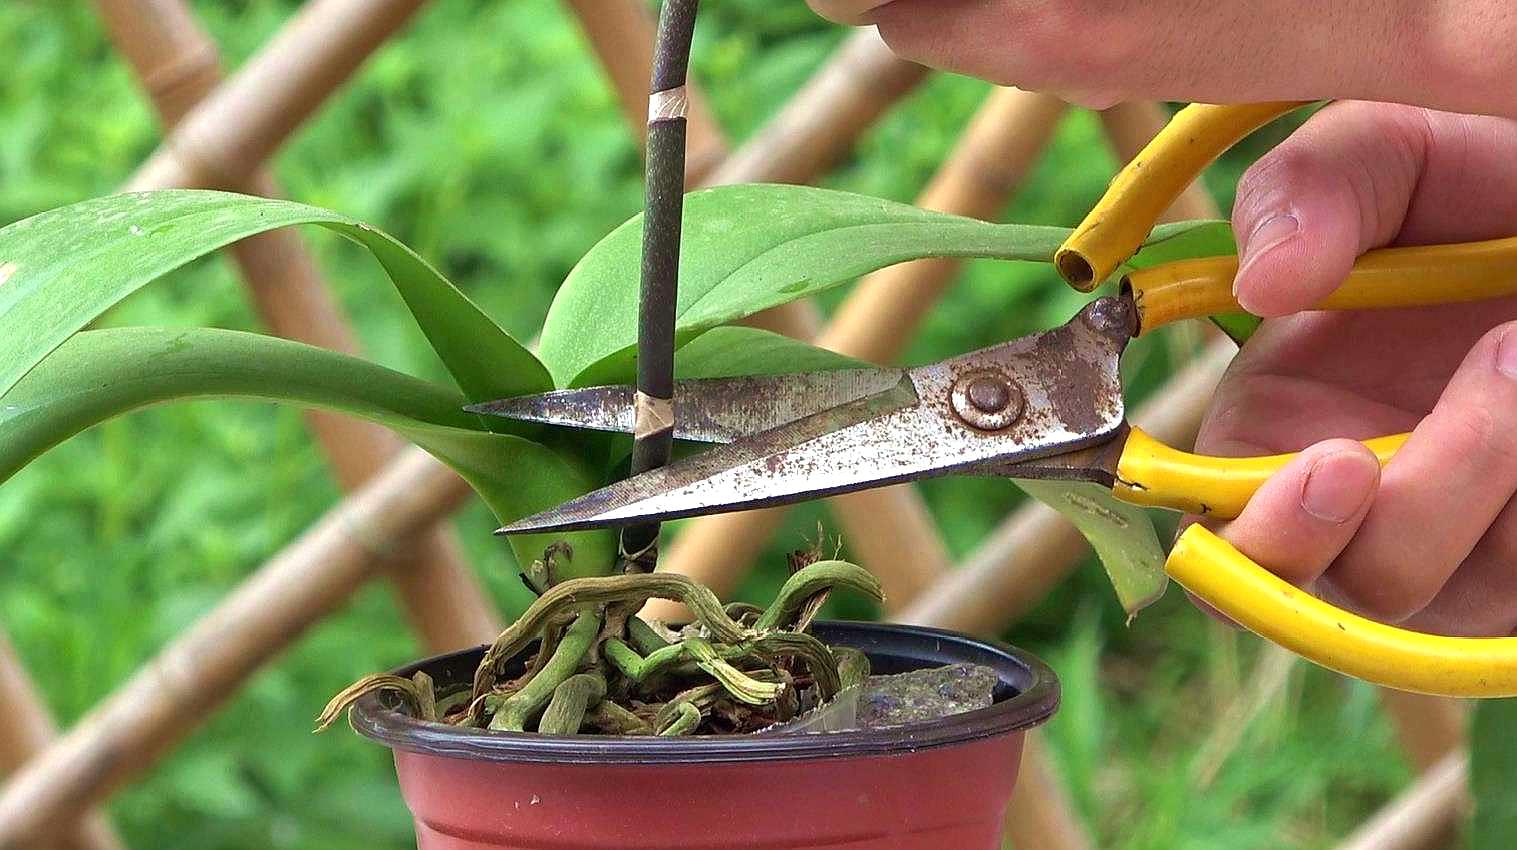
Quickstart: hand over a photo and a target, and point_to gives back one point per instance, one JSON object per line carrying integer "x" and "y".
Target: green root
{"x": 611, "y": 719}
{"x": 566, "y": 713}
{"x": 811, "y": 580}
{"x": 519, "y": 708}
{"x": 685, "y": 721}
{"x": 586, "y": 593}
{"x": 599, "y": 667}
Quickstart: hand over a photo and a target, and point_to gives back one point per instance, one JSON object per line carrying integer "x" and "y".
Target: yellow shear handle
{"x": 1145, "y": 187}
{"x": 1388, "y": 277}
{"x": 1226, "y": 579}
{"x": 1152, "y": 474}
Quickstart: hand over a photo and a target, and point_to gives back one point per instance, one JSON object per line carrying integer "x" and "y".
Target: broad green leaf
{"x": 61, "y": 269}
{"x": 729, "y": 351}
{"x": 1238, "y": 326}
{"x": 723, "y": 352}
{"x": 96, "y": 375}
{"x": 1185, "y": 240}
{"x": 1493, "y": 766}
{"x": 750, "y": 247}
{"x": 1123, "y": 536}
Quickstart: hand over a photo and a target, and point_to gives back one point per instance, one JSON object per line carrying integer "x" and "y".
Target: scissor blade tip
{"x": 544, "y": 523}
{"x": 522, "y": 526}
{"x": 499, "y": 407}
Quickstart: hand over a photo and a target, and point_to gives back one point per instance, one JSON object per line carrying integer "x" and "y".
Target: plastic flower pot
{"x": 939, "y": 784}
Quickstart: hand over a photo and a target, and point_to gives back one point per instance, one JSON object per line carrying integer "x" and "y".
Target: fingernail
{"x": 1338, "y": 485}
{"x": 1265, "y": 238}
{"x": 1506, "y": 354}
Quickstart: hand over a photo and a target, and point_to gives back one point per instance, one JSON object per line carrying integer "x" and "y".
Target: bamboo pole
{"x": 1429, "y": 728}
{"x": 229, "y": 134}
{"x": 174, "y": 692}
{"x": 1267, "y": 684}
{"x": 28, "y": 729}
{"x": 858, "y": 83}
{"x": 1422, "y": 815}
{"x": 179, "y": 67}
{"x": 621, "y": 33}
{"x": 889, "y": 528}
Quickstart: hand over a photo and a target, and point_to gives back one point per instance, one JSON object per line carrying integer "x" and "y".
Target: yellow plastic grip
{"x": 1152, "y": 474}
{"x": 1145, "y": 187}
{"x": 1226, "y": 579}
{"x": 1388, "y": 277}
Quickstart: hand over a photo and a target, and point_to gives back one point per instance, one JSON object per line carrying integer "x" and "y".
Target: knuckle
{"x": 1272, "y": 182}
{"x": 1389, "y": 592}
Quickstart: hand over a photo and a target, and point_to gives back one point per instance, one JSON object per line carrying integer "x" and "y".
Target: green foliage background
{"x": 486, "y": 139}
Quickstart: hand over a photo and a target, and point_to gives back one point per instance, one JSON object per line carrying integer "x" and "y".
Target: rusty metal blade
{"x": 1064, "y": 386}
{"x": 708, "y": 410}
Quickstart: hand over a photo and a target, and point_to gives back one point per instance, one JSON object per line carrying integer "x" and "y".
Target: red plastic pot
{"x": 943, "y": 784}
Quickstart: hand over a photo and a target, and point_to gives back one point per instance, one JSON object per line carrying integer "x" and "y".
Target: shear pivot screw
{"x": 1112, "y": 316}
{"x": 986, "y": 400}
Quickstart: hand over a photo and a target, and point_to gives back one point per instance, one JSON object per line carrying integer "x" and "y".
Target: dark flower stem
{"x": 663, "y": 210}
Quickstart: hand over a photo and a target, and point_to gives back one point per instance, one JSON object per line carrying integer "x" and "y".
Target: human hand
{"x": 1431, "y": 541}
{"x": 1449, "y": 55}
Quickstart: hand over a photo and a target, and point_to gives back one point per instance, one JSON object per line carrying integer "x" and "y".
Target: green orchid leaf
{"x": 1185, "y": 240}
{"x": 724, "y": 352}
{"x": 1123, "y": 536}
{"x": 730, "y": 351}
{"x": 750, "y": 247}
{"x": 97, "y": 375}
{"x": 1238, "y": 326}
{"x": 61, "y": 269}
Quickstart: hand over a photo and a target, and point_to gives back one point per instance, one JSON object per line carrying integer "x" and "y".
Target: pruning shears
{"x": 1050, "y": 406}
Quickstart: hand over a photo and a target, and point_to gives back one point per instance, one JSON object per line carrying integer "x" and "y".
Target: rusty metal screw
{"x": 987, "y": 400}
{"x": 1113, "y": 316}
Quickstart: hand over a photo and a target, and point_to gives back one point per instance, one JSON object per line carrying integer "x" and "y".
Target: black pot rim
{"x": 1035, "y": 699}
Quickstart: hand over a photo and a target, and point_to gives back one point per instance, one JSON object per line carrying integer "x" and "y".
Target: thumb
{"x": 1299, "y": 521}
{"x": 1339, "y": 186}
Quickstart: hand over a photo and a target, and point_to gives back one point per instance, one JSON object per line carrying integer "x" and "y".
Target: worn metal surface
{"x": 1067, "y": 378}
{"x": 708, "y": 410}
